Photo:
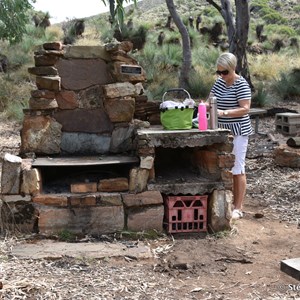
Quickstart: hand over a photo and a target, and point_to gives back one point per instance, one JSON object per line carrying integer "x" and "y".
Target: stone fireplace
{"x": 94, "y": 158}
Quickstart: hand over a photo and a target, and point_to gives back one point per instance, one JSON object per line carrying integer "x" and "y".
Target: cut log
{"x": 293, "y": 142}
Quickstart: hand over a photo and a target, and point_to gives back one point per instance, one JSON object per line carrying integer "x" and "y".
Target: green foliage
{"x": 13, "y": 19}
{"x": 140, "y": 235}
{"x": 66, "y": 236}
{"x": 14, "y": 96}
{"x": 136, "y": 36}
{"x": 117, "y": 11}
{"x": 287, "y": 86}
{"x": 274, "y": 18}
{"x": 260, "y": 98}
{"x": 199, "y": 85}
{"x": 297, "y": 8}
{"x": 283, "y": 30}
{"x": 206, "y": 57}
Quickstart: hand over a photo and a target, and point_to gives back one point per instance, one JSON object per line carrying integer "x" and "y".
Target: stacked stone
{"x": 84, "y": 103}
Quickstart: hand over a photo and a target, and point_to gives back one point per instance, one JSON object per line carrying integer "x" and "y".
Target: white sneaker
{"x": 236, "y": 214}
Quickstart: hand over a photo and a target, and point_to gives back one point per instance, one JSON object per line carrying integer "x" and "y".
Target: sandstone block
{"x": 122, "y": 56}
{"x": 53, "y": 46}
{"x": 42, "y": 103}
{"x": 90, "y": 187}
{"x": 120, "y": 109}
{"x": 45, "y": 60}
{"x": 122, "y": 139}
{"x": 43, "y": 71}
{"x": 113, "y": 185}
{"x": 285, "y": 156}
{"x": 143, "y": 199}
{"x": 88, "y": 200}
{"x": 219, "y": 210}
{"x": 227, "y": 179}
{"x": 43, "y": 94}
{"x": 84, "y": 120}
{"x": 11, "y": 174}
{"x": 51, "y": 199}
{"x": 67, "y": 99}
{"x": 138, "y": 180}
{"x": 86, "y": 220}
{"x": 31, "y": 182}
{"x": 92, "y": 97}
{"x": 110, "y": 199}
{"x": 226, "y": 161}
{"x": 16, "y": 198}
{"x": 85, "y": 52}
{"x": 48, "y": 83}
{"x": 40, "y": 134}
{"x": 79, "y": 74}
{"x": 150, "y": 218}
{"x": 119, "y": 89}
{"x": 147, "y": 162}
{"x": 125, "y": 46}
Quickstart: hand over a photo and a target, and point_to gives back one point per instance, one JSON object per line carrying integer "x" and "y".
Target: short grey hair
{"x": 227, "y": 61}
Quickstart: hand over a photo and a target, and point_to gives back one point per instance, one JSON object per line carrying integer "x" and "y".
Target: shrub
{"x": 287, "y": 86}
{"x": 260, "y": 97}
{"x": 283, "y": 30}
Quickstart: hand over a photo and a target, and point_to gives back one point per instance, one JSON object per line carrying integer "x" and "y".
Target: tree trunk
{"x": 238, "y": 47}
{"x": 186, "y": 46}
{"x": 237, "y": 33}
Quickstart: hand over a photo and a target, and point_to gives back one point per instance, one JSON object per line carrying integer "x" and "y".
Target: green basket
{"x": 177, "y": 118}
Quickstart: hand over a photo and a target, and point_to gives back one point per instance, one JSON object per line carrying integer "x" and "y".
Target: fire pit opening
{"x": 175, "y": 163}
{"x": 58, "y": 174}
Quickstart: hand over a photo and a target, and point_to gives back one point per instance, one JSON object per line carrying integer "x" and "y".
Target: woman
{"x": 233, "y": 102}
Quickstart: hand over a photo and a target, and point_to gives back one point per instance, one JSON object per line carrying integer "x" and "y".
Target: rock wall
{"x": 84, "y": 102}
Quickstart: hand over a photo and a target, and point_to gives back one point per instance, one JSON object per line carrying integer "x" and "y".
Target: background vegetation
{"x": 275, "y": 72}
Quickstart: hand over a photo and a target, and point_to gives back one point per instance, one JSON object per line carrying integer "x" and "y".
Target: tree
{"x": 13, "y": 19}
{"x": 237, "y": 31}
{"x": 186, "y": 45}
{"x": 117, "y": 12}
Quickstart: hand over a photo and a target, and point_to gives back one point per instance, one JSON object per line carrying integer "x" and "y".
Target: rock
{"x": 285, "y": 156}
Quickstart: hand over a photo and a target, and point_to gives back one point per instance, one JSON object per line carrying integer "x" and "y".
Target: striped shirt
{"x": 228, "y": 97}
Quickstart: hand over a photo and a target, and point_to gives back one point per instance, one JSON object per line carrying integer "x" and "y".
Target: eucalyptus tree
{"x": 117, "y": 12}
{"x": 186, "y": 45}
{"x": 14, "y": 17}
{"x": 237, "y": 31}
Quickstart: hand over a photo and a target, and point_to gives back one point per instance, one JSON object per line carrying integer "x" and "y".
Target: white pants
{"x": 240, "y": 144}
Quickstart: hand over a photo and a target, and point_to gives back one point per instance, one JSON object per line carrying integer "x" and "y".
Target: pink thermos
{"x": 202, "y": 117}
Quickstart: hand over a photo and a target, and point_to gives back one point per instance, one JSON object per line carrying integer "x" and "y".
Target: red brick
{"x": 90, "y": 187}
{"x": 49, "y": 199}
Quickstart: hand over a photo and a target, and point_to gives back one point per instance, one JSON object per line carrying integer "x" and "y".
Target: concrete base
{"x": 291, "y": 267}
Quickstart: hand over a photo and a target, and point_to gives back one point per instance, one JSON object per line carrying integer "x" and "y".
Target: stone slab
{"x": 54, "y": 250}
{"x": 291, "y": 267}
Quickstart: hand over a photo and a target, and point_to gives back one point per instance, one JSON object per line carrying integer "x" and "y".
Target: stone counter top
{"x": 156, "y": 136}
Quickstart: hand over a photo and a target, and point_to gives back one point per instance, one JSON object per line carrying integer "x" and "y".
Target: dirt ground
{"x": 241, "y": 264}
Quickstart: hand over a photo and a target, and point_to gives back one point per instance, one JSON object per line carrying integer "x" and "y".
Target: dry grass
{"x": 267, "y": 67}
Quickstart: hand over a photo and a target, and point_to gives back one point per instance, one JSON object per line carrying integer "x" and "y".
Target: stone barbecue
{"x": 94, "y": 158}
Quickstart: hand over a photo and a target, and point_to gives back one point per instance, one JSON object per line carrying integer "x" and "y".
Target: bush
{"x": 287, "y": 86}
{"x": 260, "y": 97}
{"x": 283, "y": 30}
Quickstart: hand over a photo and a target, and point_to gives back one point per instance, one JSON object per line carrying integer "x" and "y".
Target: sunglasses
{"x": 225, "y": 72}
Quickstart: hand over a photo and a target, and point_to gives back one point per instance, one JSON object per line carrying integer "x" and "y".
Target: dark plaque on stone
{"x": 128, "y": 69}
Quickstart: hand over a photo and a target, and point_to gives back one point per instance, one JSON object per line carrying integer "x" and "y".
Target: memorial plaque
{"x": 128, "y": 69}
